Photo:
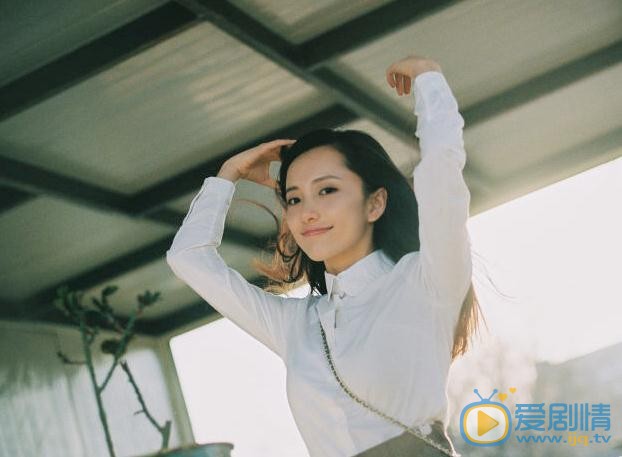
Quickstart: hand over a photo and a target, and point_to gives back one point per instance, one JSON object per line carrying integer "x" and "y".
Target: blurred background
{"x": 112, "y": 113}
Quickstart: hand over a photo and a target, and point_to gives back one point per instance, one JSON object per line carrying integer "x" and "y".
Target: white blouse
{"x": 389, "y": 325}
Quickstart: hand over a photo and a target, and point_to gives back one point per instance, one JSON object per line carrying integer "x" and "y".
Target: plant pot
{"x": 196, "y": 450}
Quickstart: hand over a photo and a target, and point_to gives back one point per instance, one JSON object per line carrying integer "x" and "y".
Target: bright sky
{"x": 557, "y": 251}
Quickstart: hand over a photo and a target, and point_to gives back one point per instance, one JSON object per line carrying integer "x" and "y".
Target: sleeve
{"x": 194, "y": 258}
{"x": 443, "y": 197}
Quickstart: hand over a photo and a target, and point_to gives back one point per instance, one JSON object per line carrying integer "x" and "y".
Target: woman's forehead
{"x": 317, "y": 160}
{"x": 312, "y": 176}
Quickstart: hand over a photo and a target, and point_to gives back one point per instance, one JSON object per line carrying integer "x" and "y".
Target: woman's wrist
{"x": 428, "y": 66}
{"x": 228, "y": 172}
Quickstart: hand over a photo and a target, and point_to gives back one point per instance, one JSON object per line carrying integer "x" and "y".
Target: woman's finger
{"x": 273, "y": 153}
{"x": 280, "y": 141}
{"x": 390, "y": 79}
{"x": 408, "y": 81}
{"x": 400, "y": 84}
{"x": 270, "y": 182}
{"x": 274, "y": 147}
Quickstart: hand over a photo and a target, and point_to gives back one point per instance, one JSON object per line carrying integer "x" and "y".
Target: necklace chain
{"x": 368, "y": 406}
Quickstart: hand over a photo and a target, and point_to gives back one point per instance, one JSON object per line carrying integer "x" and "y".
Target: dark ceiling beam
{"x": 37, "y": 181}
{"x": 294, "y": 59}
{"x": 544, "y": 84}
{"x": 18, "y": 313}
{"x": 157, "y": 326}
{"x": 34, "y": 180}
{"x": 367, "y": 103}
{"x": 180, "y": 318}
{"x": 31, "y": 181}
{"x": 188, "y": 314}
{"x": 38, "y": 305}
{"x": 564, "y": 164}
{"x": 162, "y": 193}
{"x": 94, "y": 57}
{"x": 11, "y": 197}
{"x": 173, "y": 17}
{"x": 493, "y": 106}
{"x": 150, "y": 326}
{"x": 57, "y": 186}
{"x": 26, "y": 179}
{"x": 370, "y": 104}
{"x": 151, "y": 200}
{"x": 371, "y": 26}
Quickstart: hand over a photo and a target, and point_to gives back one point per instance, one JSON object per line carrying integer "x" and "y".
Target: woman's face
{"x": 322, "y": 193}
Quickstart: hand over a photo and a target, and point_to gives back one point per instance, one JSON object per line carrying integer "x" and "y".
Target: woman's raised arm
{"x": 443, "y": 197}
{"x": 194, "y": 258}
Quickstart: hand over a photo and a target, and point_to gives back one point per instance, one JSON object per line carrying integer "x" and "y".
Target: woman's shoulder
{"x": 408, "y": 260}
{"x": 407, "y": 270}
{"x": 299, "y": 300}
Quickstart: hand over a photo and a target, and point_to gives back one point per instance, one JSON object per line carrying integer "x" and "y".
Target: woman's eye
{"x": 329, "y": 188}
{"x": 290, "y": 201}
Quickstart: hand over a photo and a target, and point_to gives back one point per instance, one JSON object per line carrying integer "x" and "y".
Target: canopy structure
{"x": 112, "y": 113}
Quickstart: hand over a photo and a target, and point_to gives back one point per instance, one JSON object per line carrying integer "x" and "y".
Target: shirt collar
{"x": 358, "y": 275}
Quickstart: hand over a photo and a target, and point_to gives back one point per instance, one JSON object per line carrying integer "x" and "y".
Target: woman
{"x": 368, "y": 351}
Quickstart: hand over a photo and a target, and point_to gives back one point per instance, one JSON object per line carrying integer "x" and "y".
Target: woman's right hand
{"x": 254, "y": 164}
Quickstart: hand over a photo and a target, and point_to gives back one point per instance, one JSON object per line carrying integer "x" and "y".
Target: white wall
{"x": 48, "y": 408}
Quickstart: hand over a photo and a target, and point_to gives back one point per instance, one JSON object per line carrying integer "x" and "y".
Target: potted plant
{"x": 90, "y": 320}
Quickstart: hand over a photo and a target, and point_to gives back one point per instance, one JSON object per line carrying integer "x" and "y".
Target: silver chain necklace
{"x": 418, "y": 434}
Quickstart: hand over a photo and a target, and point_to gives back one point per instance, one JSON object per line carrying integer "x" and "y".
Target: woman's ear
{"x": 377, "y": 203}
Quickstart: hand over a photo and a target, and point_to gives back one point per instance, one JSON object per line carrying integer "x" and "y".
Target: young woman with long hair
{"x": 392, "y": 302}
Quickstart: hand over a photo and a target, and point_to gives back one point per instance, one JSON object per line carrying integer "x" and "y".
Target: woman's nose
{"x": 309, "y": 212}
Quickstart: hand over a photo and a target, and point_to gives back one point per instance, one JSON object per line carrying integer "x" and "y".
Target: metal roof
{"x": 113, "y": 113}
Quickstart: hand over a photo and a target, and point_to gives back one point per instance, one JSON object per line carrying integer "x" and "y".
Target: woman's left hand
{"x": 400, "y": 73}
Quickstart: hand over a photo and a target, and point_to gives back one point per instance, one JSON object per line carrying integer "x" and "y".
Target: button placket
{"x": 337, "y": 296}
{"x": 338, "y": 299}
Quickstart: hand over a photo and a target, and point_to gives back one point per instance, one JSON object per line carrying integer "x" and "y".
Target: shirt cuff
{"x": 216, "y": 194}
{"x": 433, "y": 96}
{"x": 223, "y": 188}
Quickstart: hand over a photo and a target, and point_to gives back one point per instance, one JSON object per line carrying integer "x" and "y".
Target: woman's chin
{"x": 317, "y": 255}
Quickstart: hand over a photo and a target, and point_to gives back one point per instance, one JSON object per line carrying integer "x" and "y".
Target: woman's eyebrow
{"x": 316, "y": 179}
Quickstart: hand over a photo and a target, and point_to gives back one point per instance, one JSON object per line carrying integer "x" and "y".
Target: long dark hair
{"x": 396, "y": 232}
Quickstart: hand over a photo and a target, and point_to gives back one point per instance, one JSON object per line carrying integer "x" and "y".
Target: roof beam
{"x": 254, "y": 34}
{"x": 94, "y": 57}
{"x": 157, "y": 196}
{"x": 562, "y": 165}
{"x": 33, "y": 181}
{"x": 17, "y": 312}
{"x": 11, "y": 197}
{"x": 188, "y": 314}
{"x": 544, "y": 84}
{"x": 306, "y": 61}
{"x": 29, "y": 180}
{"x": 199, "y": 310}
{"x": 38, "y": 305}
{"x": 148, "y": 200}
{"x": 371, "y": 26}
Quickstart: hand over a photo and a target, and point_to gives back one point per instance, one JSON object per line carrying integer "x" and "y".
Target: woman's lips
{"x": 316, "y": 232}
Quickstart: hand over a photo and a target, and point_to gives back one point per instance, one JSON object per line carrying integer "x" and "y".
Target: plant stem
{"x": 127, "y": 334}
{"x": 100, "y": 405}
{"x": 164, "y": 430}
